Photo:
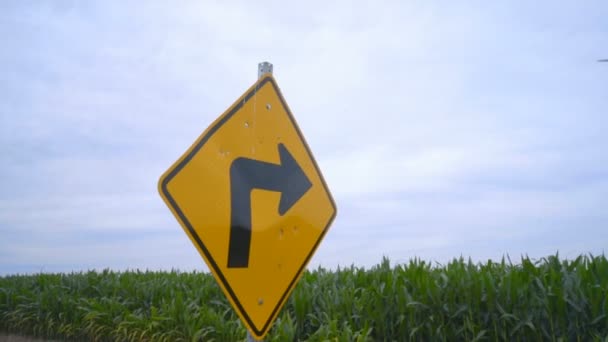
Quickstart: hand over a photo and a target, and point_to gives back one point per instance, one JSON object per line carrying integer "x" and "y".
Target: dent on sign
{"x": 252, "y": 199}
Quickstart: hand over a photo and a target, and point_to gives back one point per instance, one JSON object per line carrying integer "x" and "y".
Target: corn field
{"x": 543, "y": 300}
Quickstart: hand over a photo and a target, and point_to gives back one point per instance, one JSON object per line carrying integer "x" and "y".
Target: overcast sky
{"x": 442, "y": 129}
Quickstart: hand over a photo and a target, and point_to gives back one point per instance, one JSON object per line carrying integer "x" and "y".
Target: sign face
{"x": 252, "y": 199}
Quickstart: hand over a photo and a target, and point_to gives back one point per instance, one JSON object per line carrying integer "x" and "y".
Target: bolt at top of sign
{"x": 253, "y": 201}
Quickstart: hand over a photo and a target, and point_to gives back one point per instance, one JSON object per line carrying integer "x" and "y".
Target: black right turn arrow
{"x": 246, "y": 174}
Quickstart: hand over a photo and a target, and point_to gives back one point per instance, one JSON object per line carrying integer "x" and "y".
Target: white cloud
{"x": 442, "y": 129}
{"x": 166, "y": 252}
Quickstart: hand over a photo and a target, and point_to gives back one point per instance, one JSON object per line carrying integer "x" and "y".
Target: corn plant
{"x": 549, "y": 299}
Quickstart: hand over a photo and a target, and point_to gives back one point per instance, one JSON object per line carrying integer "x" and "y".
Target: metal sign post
{"x": 263, "y": 68}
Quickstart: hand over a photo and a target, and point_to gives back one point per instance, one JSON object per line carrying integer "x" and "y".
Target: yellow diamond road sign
{"x": 252, "y": 199}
